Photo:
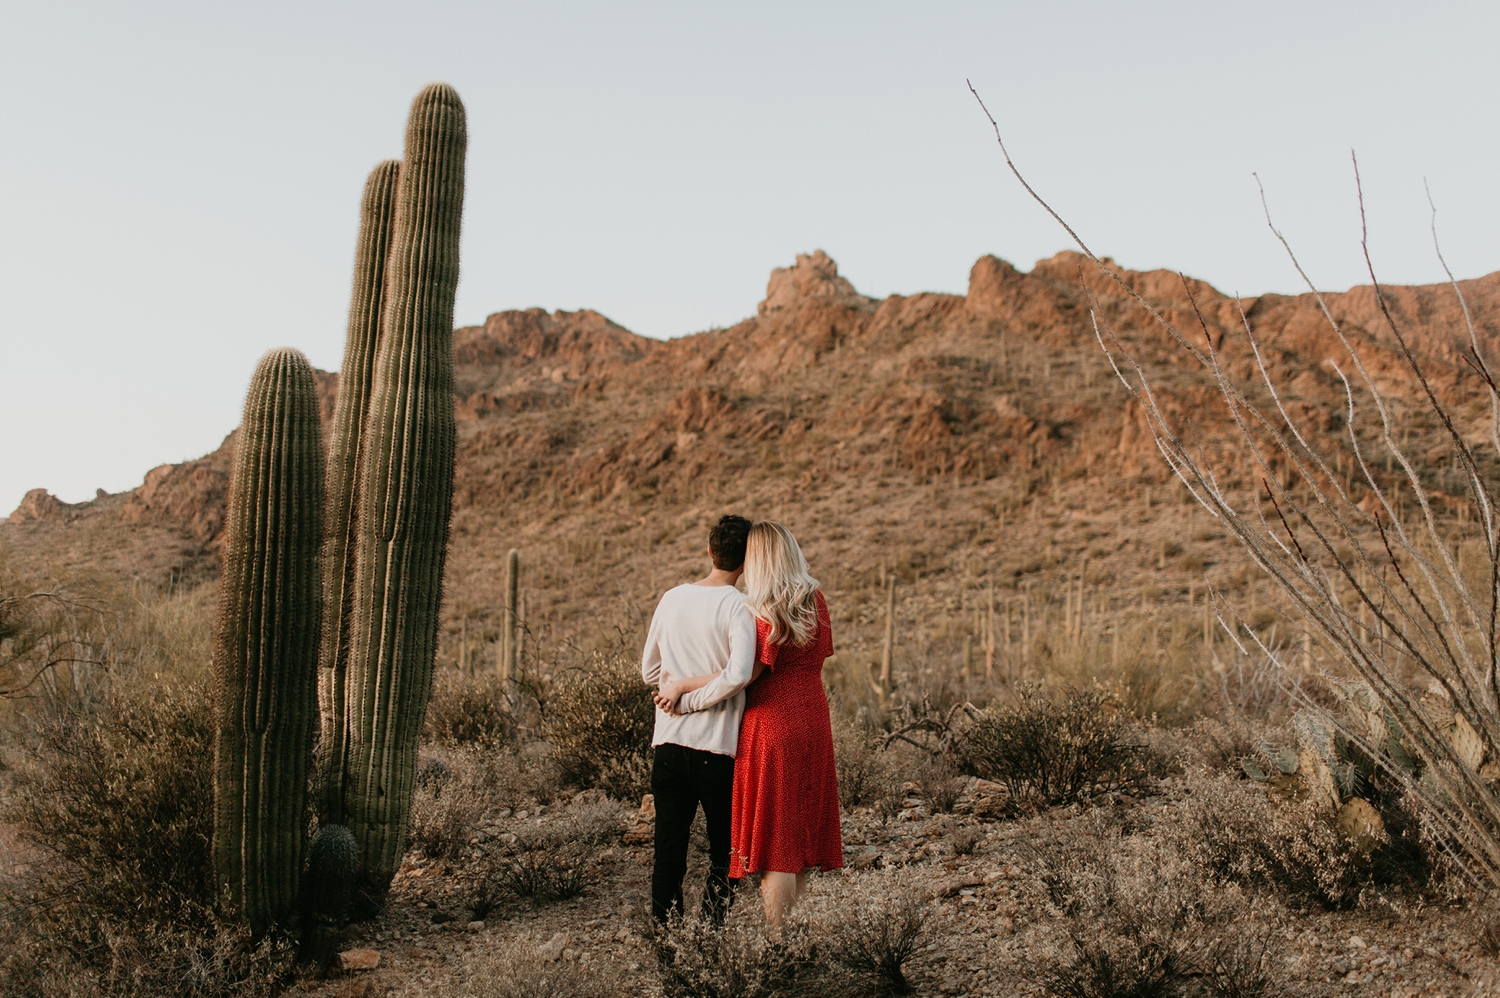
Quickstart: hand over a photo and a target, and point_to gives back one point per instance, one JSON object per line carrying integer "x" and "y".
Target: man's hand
{"x": 670, "y": 694}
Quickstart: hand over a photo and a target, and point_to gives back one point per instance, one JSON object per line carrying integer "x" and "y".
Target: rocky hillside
{"x": 957, "y": 441}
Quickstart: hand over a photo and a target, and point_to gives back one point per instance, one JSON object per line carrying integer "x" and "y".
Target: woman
{"x": 786, "y": 800}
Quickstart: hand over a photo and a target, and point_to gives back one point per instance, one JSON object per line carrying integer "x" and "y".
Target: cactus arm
{"x": 366, "y": 307}
{"x": 405, "y": 491}
{"x": 266, "y": 645}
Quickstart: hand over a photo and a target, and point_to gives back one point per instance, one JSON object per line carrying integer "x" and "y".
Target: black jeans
{"x": 681, "y": 779}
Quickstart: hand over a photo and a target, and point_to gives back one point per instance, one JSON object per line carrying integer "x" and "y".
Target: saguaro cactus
{"x": 405, "y": 493}
{"x": 366, "y": 305}
{"x": 266, "y": 645}
{"x": 510, "y": 637}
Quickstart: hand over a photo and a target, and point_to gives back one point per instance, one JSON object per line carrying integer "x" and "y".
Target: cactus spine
{"x": 355, "y": 377}
{"x": 266, "y": 644}
{"x": 405, "y": 493}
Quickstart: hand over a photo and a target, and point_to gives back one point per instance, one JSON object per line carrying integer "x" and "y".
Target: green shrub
{"x": 599, "y": 720}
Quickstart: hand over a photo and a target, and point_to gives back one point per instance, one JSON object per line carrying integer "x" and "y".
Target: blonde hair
{"x": 778, "y": 588}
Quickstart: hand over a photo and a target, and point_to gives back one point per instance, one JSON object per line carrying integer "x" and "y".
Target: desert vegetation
{"x": 1134, "y": 690}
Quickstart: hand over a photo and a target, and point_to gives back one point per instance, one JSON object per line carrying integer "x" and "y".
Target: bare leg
{"x": 779, "y": 891}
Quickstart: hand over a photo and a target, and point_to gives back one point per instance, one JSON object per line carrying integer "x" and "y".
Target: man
{"x": 698, "y": 629}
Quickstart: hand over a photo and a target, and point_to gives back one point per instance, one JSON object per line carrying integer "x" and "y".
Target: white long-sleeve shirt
{"x": 698, "y": 631}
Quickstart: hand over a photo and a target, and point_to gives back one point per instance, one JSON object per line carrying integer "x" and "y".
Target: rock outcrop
{"x": 826, "y": 391}
{"x": 813, "y": 277}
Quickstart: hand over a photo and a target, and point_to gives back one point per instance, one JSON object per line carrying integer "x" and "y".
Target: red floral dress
{"x": 785, "y": 816}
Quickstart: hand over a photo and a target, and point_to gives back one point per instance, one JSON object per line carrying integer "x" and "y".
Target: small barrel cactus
{"x": 266, "y": 643}
{"x": 327, "y": 886}
{"x": 332, "y": 860}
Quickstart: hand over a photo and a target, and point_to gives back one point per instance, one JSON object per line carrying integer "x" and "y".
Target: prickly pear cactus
{"x": 1466, "y": 743}
{"x": 266, "y": 647}
{"x": 367, "y": 303}
{"x": 1361, "y": 826}
{"x": 405, "y": 494}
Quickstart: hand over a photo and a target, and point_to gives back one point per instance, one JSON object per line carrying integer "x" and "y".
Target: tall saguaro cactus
{"x": 266, "y": 643}
{"x": 405, "y": 492}
{"x": 366, "y": 307}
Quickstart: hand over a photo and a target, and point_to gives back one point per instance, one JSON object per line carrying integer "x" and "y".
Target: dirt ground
{"x": 984, "y": 932}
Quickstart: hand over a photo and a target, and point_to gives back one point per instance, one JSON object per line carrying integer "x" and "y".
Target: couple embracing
{"x": 742, "y": 723}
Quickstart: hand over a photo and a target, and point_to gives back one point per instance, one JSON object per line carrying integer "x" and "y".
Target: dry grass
{"x": 516, "y": 969}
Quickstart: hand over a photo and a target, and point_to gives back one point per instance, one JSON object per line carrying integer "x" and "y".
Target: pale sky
{"x": 179, "y": 182}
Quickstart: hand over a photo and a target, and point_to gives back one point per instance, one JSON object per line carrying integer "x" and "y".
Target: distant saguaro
{"x": 510, "y": 638}
{"x": 890, "y": 636}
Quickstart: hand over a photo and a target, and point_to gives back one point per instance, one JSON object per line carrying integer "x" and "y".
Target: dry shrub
{"x": 1136, "y": 918}
{"x": 1154, "y": 668}
{"x": 460, "y": 789}
{"x": 452, "y": 798}
{"x": 965, "y": 839}
{"x": 939, "y": 783}
{"x": 120, "y": 794}
{"x": 737, "y": 960}
{"x": 869, "y": 927}
{"x": 1242, "y": 964}
{"x": 850, "y": 938}
{"x": 552, "y": 858}
{"x": 599, "y": 720}
{"x": 149, "y": 961}
{"x": 1239, "y": 835}
{"x": 514, "y": 969}
{"x": 1049, "y": 747}
{"x": 866, "y": 774}
{"x": 469, "y": 711}
{"x": 117, "y": 794}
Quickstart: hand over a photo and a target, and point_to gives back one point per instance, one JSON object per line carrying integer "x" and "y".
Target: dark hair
{"x": 726, "y": 542}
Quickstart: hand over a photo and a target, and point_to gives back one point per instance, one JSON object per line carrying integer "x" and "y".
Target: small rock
{"x": 951, "y": 886}
{"x": 553, "y": 948}
{"x": 476, "y": 926}
{"x": 643, "y": 831}
{"x": 359, "y": 959}
{"x": 1356, "y": 943}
